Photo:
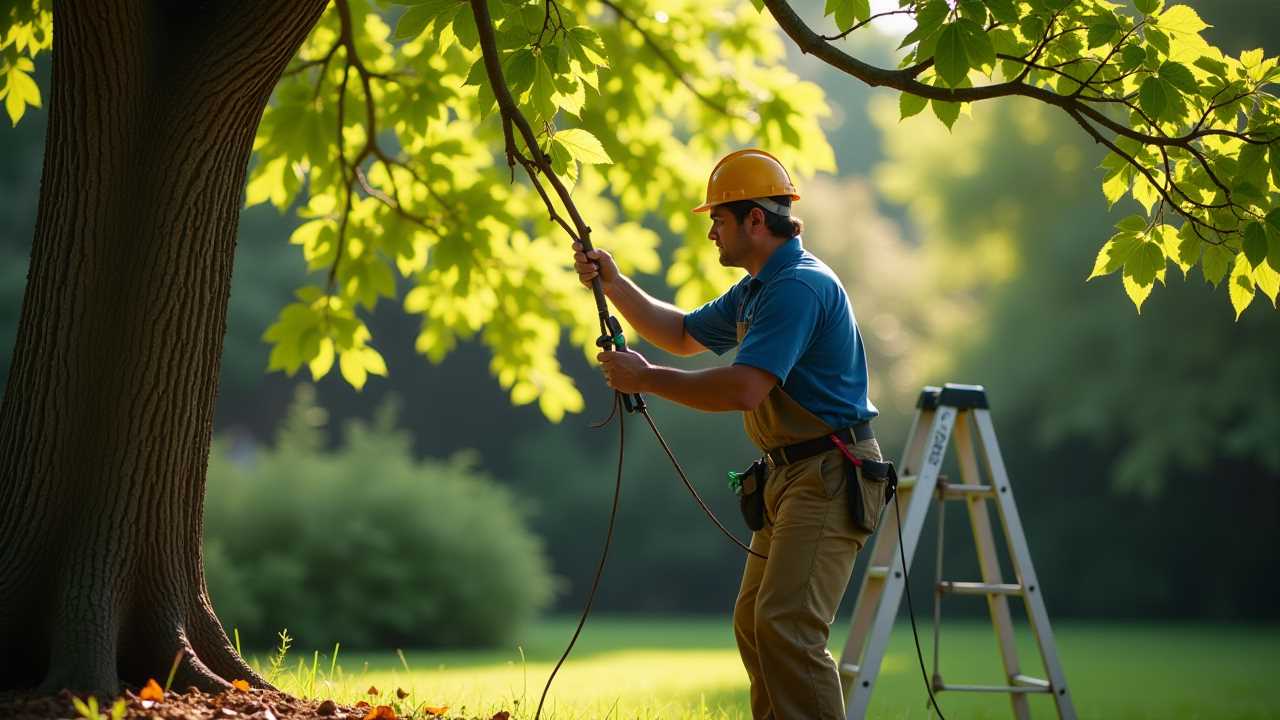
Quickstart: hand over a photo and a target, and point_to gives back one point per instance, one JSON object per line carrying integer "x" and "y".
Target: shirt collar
{"x": 784, "y": 255}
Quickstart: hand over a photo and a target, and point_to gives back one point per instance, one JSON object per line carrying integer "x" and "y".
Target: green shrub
{"x": 365, "y": 545}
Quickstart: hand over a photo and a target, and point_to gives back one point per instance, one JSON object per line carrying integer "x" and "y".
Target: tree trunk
{"x": 108, "y": 409}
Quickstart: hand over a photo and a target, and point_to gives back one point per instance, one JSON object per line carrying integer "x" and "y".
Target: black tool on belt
{"x": 872, "y": 483}
{"x": 748, "y": 485}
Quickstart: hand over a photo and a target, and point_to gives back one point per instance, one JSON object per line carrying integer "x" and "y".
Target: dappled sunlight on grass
{"x": 688, "y": 669}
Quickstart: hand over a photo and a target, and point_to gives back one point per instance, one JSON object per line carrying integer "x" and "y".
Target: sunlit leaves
{"x": 17, "y": 88}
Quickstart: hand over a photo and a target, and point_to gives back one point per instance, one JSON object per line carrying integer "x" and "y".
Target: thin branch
{"x": 669, "y": 61}
{"x": 857, "y": 25}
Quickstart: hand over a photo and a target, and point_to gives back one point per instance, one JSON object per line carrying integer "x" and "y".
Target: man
{"x": 800, "y": 375}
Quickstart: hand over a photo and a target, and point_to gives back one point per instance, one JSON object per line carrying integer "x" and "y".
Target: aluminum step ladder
{"x": 958, "y": 412}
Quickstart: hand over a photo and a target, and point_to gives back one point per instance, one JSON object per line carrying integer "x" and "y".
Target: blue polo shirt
{"x": 802, "y": 331}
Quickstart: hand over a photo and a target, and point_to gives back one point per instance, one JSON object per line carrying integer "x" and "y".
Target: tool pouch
{"x": 872, "y": 484}
{"x": 749, "y": 486}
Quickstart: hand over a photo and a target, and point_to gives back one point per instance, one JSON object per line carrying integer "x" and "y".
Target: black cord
{"x": 608, "y": 539}
{"x": 911, "y": 612}
{"x": 680, "y": 471}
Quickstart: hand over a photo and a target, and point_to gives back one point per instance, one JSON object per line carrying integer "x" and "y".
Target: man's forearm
{"x": 714, "y": 390}
{"x": 658, "y": 322}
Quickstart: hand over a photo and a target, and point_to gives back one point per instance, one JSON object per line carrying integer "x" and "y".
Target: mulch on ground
{"x": 252, "y": 704}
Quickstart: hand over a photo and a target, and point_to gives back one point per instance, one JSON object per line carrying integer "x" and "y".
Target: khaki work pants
{"x": 786, "y": 604}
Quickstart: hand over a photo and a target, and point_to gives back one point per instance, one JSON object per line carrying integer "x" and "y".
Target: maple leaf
{"x": 373, "y": 690}
{"x": 401, "y": 694}
{"x": 152, "y": 691}
{"x": 430, "y": 710}
{"x": 241, "y": 685}
{"x": 361, "y": 703}
{"x": 501, "y": 715}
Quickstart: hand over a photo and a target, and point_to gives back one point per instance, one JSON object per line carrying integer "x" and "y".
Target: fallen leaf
{"x": 382, "y": 712}
{"x": 268, "y": 715}
{"x": 401, "y": 694}
{"x": 501, "y": 715}
{"x": 361, "y": 703}
{"x": 372, "y": 690}
{"x": 435, "y": 710}
{"x": 327, "y": 708}
{"x": 152, "y": 691}
{"x": 241, "y": 685}
{"x": 229, "y": 712}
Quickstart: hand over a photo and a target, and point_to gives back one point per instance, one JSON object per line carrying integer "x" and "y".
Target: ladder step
{"x": 906, "y": 482}
{"x": 849, "y": 670}
{"x": 963, "y": 492}
{"x": 1028, "y": 681}
{"x": 878, "y": 572}
{"x": 997, "y": 688}
{"x": 973, "y": 588}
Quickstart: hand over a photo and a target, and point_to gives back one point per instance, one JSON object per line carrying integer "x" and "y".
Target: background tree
{"x": 391, "y": 138}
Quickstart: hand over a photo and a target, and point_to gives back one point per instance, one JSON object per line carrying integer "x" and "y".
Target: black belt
{"x": 807, "y": 449}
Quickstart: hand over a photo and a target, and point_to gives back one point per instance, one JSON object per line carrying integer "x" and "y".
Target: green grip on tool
{"x": 735, "y": 482}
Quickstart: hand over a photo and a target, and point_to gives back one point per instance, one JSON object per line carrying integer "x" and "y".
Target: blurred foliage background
{"x": 1144, "y": 449}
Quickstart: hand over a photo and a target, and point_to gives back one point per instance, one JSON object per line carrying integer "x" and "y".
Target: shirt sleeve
{"x": 715, "y": 324}
{"x": 782, "y": 329}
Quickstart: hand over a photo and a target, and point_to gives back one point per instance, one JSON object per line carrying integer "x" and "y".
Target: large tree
{"x": 391, "y": 143}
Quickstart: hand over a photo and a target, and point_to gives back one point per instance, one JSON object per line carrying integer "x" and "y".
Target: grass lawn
{"x": 652, "y": 668}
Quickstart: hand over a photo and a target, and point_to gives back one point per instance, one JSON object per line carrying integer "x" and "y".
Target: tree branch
{"x": 669, "y": 61}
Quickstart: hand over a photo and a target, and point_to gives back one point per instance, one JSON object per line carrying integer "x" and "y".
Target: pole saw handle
{"x": 635, "y": 401}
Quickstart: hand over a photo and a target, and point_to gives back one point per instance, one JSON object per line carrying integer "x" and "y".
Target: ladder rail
{"x": 1020, "y": 552}
{"x": 984, "y": 543}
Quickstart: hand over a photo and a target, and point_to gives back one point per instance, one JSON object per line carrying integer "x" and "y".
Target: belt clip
{"x": 844, "y": 449}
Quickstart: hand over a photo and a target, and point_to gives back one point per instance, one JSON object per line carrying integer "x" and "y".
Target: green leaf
{"x": 928, "y": 19}
{"x": 1214, "y": 263}
{"x": 909, "y": 105}
{"x": 978, "y": 48}
{"x": 950, "y": 57}
{"x": 1132, "y": 56}
{"x": 583, "y": 146}
{"x": 19, "y": 90}
{"x": 351, "y": 365}
{"x": 543, "y": 89}
{"x": 1153, "y": 97}
{"x": 1274, "y": 154}
{"x": 1114, "y": 254}
{"x": 946, "y": 111}
{"x": 1255, "y": 243}
{"x": 973, "y": 10}
{"x": 1240, "y": 289}
{"x": 1136, "y": 224}
{"x": 1157, "y": 40}
{"x": 1181, "y": 19}
{"x": 1189, "y": 246}
{"x": 1006, "y": 11}
{"x": 1103, "y": 28}
{"x": 1117, "y": 184}
{"x": 847, "y": 12}
{"x": 1212, "y": 66}
{"x": 1144, "y": 262}
{"x": 1146, "y": 7}
{"x": 1177, "y": 75}
{"x": 420, "y": 15}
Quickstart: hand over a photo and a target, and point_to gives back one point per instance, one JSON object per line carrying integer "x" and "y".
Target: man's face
{"x": 730, "y": 236}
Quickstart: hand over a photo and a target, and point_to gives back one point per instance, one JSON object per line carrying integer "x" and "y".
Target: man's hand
{"x": 582, "y": 262}
{"x": 624, "y": 371}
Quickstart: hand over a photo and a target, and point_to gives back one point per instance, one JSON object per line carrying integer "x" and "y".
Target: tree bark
{"x": 108, "y": 409}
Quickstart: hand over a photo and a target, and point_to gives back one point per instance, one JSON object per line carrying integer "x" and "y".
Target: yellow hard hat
{"x": 748, "y": 174}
